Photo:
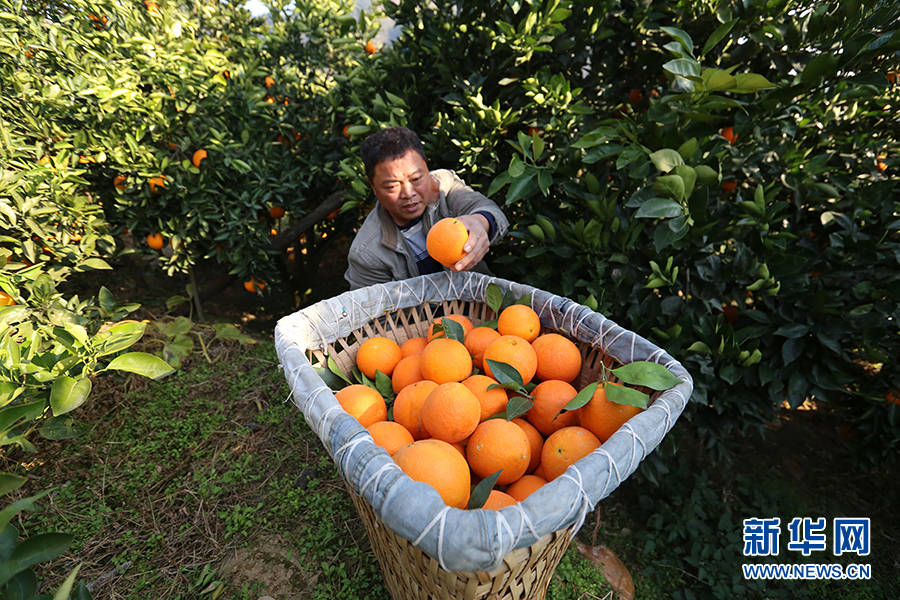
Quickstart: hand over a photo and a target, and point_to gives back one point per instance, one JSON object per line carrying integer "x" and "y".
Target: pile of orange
{"x": 447, "y": 428}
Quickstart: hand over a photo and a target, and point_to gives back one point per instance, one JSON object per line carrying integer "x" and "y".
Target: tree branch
{"x": 289, "y": 236}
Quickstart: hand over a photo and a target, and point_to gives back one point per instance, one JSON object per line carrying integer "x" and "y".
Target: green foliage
{"x": 18, "y": 580}
{"x": 106, "y": 104}
{"x": 50, "y": 348}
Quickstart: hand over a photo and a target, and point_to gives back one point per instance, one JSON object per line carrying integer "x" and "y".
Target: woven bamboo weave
{"x": 410, "y": 574}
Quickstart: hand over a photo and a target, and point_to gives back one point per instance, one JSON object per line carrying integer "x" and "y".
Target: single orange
{"x": 378, "y": 354}
{"x": 408, "y": 407}
{"x": 498, "y": 445}
{"x": 362, "y": 403}
{"x": 492, "y": 401}
{"x": 603, "y": 416}
{"x": 6, "y": 299}
{"x": 44, "y": 160}
{"x": 390, "y": 435}
{"x": 461, "y": 319}
{"x": 445, "y": 241}
{"x": 155, "y": 241}
{"x": 728, "y": 134}
{"x": 119, "y": 182}
{"x": 198, "y": 157}
{"x": 635, "y": 96}
{"x": 893, "y": 396}
{"x": 451, "y": 412}
{"x": 269, "y": 81}
{"x": 346, "y": 132}
{"x": 156, "y": 182}
{"x": 413, "y": 346}
{"x": 557, "y": 357}
{"x": 729, "y": 186}
{"x": 535, "y": 441}
{"x": 270, "y": 100}
{"x": 497, "y": 500}
{"x": 519, "y": 320}
{"x": 439, "y": 465}
{"x": 370, "y": 47}
{"x": 564, "y": 447}
{"x": 276, "y": 212}
{"x": 525, "y": 486}
{"x": 445, "y": 360}
{"x": 460, "y": 447}
{"x": 512, "y": 350}
{"x": 407, "y": 371}
{"x": 477, "y": 340}
{"x": 549, "y": 398}
{"x": 253, "y": 286}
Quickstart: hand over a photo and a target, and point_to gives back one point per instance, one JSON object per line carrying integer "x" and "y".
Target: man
{"x": 390, "y": 245}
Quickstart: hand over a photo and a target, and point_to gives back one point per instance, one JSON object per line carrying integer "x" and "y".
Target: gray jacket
{"x": 379, "y": 253}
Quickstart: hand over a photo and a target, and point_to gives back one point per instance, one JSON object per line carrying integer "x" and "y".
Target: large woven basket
{"x": 409, "y": 573}
{"x": 416, "y": 552}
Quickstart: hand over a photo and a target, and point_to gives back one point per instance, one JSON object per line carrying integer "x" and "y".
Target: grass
{"x": 209, "y": 484}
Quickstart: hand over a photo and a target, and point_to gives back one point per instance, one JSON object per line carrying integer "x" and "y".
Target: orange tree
{"x": 192, "y": 127}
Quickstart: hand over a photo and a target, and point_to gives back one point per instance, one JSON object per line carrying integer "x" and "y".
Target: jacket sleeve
{"x": 362, "y": 272}
{"x": 463, "y": 200}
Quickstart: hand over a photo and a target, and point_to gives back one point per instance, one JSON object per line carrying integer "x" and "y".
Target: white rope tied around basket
{"x": 635, "y": 440}
{"x": 613, "y": 467}
{"x": 502, "y": 524}
{"x": 377, "y": 475}
{"x": 584, "y": 316}
{"x": 525, "y": 520}
{"x": 583, "y": 504}
{"x": 440, "y": 518}
{"x": 346, "y": 450}
{"x": 420, "y": 297}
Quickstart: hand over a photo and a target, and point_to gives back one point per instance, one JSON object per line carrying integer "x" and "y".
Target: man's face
{"x": 404, "y": 186}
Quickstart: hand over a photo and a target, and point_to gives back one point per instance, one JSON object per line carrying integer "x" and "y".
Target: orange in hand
{"x": 445, "y": 241}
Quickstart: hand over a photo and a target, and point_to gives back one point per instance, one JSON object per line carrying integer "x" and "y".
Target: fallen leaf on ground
{"x": 613, "y": 569}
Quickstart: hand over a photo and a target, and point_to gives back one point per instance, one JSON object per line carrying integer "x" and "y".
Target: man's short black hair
{"x": 388, "y": 144}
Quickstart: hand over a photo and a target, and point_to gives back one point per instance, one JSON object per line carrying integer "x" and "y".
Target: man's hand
{"x": 478, "y": 243}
